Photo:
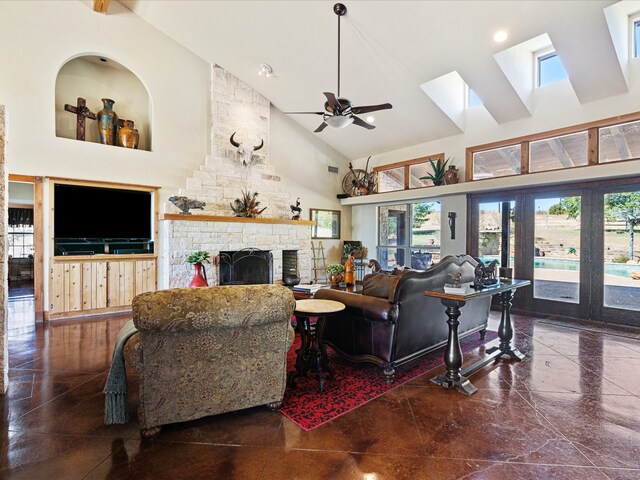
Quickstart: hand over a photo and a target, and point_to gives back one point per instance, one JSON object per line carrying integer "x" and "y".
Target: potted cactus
{"x": 439, "y": 168}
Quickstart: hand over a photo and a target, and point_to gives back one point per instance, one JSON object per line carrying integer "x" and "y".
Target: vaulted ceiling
{"x": 389, "y": 49}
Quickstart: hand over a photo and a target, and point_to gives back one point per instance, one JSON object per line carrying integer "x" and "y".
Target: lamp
{"x": 338, "y": 121}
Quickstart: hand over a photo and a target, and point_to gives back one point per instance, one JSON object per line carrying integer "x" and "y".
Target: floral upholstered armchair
{"x": 205, "y": 351}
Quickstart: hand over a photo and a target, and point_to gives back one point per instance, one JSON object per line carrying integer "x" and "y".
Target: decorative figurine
{"x": 456, "y": 277}
{"x": 478, "y": 275}
{"x": 296, "y": 210}
{"x": 245, "y": 151}
{"x": 184, "y": 204}
{"x": 374, "y": 265}
{"x": 82, "y": 112}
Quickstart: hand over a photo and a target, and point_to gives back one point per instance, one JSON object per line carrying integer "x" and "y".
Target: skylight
{"x": 473, "y": 100}
{"x": 550, "y": 69}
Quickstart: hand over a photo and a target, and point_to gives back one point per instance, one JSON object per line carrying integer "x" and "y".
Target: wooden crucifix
{"x": 82, "y": 112}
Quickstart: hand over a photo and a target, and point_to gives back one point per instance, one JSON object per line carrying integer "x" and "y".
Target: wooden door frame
{"x": 38, "y": 240}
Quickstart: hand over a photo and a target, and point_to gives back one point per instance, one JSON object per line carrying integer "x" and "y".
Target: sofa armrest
{"x": 188, "y": 309}
{"x": 373, "y": 309}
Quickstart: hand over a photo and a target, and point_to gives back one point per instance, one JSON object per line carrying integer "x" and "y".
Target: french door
{"x": 580, "y": 247}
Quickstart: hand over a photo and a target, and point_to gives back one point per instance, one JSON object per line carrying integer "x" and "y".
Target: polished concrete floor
{"x": 570, "y": 410}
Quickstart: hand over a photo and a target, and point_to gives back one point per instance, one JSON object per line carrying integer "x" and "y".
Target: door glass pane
{"x": 425, "y": 234}
{"x": 490, "y": 245}
{"x": 556, "y": 262}
{"x": 622, "y": 250}
{"x": 392, "y": 232}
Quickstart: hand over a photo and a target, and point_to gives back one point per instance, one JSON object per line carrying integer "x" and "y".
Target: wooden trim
{"x": 103, "y": 258}
{"x": 38, "y": 248}
{"x": 87, "y": 313}
{"x": 215, "y": 218}
{"x": 101, "y": 6}
{"x": 593, "y": 146}
{"x": 524, "y": 157}
{"x": 404, "y": 163}
{"x": 629, "y": 117}
{"x": 97, "y": 183}
{"x": 468, "y": 165}
{"x": 21, "y": 205}
{"x": 15, "y": 177}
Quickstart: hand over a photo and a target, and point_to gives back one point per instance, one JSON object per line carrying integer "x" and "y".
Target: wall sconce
{"x": 452, "y": 224}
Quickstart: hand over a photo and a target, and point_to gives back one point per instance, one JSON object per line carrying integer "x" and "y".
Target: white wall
{"x": 302, "y": 161}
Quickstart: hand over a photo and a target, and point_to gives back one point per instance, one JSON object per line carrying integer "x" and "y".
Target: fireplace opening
{"x": 249, "y": 266}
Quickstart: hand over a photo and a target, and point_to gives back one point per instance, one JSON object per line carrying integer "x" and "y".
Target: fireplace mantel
{"x": 216, "y": 218}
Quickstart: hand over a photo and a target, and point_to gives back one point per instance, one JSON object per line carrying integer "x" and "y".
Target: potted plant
{"x": 247, "y": 205}
{"x": 334, "y": 271}
{"x": 439, "y": 168}
{"x": 198, "y": 259}
{"x": 358, "y": 251}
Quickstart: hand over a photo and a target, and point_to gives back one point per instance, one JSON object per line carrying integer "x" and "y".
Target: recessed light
{"x": 265, "y": 70}
{"x": 371, "y": 119}
{"x": 500, "y": 36}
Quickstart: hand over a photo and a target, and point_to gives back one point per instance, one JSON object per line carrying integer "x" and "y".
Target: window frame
{"x": 635, "y": 39}
{"x": 540, "y": 57}
{"x": 408, "y": 246}
{"x": 593, "y": 132}
{"x": 406, "y": 165}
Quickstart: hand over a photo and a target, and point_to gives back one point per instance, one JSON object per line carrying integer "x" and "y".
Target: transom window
{"x": 405, "y": 175}
{"x": 604, "y": 141}
{"x": 549, "y": 69}
{"x": 409, "y": 235}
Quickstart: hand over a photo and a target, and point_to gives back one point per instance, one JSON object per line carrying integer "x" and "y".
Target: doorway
{"x": 25, "y": 243}
{"x": 577, "y": 244}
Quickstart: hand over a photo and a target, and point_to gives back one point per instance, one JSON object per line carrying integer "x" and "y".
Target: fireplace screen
{"x": 248, "y": 266}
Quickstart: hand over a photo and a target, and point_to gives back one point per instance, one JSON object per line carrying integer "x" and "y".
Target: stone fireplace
{"x": 235, "y": 108}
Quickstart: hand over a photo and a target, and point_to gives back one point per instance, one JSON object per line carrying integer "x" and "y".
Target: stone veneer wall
{"x": 185, "y": 236}
{"x": 235, "y": 107}
{"x": 4, "y": 353}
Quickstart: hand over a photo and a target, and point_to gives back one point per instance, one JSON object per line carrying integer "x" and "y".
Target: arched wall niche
{"x": 94, "y": 77}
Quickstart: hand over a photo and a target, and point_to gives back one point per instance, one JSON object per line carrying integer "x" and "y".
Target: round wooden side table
{"x": 311, "y": 355}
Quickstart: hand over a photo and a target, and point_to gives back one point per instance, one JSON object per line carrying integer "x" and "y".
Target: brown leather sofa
{"x": 392, "y": 322}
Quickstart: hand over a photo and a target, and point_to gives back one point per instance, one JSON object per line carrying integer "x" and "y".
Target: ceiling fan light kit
{"x": 339, "y": 112}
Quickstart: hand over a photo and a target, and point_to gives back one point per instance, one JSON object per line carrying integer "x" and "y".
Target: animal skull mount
{"x": 245, "y": 151}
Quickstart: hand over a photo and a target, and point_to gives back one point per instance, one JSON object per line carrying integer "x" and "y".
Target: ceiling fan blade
{"x": 333, "y": 101}
{"x": 371, "y": 108}
{"x": 362, "y": 123}
{"x": 303, "y": 113}
{"x": 320, "y": 128}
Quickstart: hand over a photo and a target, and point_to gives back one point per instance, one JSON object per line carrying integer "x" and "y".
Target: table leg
{"x": 302, "y": 353}
{"x": 505, "y": 330}
{"x": 453, "y": 354}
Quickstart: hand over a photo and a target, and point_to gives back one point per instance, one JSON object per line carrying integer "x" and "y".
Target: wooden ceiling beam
{"x": 100, "y": 6}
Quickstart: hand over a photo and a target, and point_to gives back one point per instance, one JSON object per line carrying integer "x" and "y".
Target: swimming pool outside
{"x": 617, "y": 269}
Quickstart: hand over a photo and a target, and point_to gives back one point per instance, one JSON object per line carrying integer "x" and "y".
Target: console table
{"x": 454, "y": 377}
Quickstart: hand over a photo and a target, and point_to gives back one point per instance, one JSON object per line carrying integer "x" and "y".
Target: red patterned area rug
{"x": 354, "y": 384}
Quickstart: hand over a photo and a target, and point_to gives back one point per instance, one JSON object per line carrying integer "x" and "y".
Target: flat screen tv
{"x": 101, "y": 213}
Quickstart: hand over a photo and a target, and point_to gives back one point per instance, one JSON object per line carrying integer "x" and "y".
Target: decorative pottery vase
{"x": 291, "y": 278}
{"x": 198, "y": 278}
{"x": 349, "y": 268}
{"x": 451, "y": 176}
{"x": 335, "y": 279}
{"x": 107, "y": 123}
{"x": 127, "y": 135}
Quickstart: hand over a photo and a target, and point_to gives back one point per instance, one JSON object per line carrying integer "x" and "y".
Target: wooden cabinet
{"x": 87, "y": 285}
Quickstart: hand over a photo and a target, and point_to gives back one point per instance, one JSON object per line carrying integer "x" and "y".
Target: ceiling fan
{"x": 339, "y": 112}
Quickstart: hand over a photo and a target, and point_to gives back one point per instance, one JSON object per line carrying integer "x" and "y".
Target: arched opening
{"x": 95, "y": 77}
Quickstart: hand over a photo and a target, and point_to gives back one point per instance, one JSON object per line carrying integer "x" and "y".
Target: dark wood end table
{"x": 454, "y": 377}
{"x": 311, "y": 355}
